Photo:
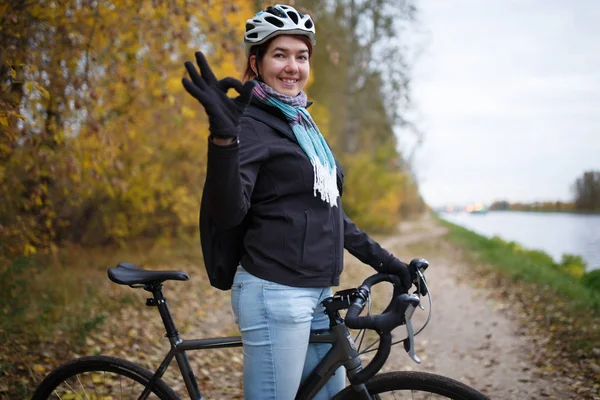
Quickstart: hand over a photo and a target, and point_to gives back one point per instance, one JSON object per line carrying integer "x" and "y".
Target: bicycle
{"x": 103, "y": 377}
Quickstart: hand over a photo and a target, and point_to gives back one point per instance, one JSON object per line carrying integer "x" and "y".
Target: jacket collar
{"x": 271, "y": 116}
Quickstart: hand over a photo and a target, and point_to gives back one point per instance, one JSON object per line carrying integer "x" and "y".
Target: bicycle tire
{"x": 415, "y": 385}
{"x": 97, "y": 376}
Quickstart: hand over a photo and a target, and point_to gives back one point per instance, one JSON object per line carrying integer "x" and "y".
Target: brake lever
{"x": 409, "y": 342}
{"x": 421, "y": 287}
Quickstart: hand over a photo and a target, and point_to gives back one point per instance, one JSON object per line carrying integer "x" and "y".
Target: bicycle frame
{"x": 342, "y": 352}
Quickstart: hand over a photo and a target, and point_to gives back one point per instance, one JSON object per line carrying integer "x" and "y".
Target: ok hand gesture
{"x": 224, "y": 113}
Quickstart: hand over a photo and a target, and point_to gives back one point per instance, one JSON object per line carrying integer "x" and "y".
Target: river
{"x": 553, "y": 233}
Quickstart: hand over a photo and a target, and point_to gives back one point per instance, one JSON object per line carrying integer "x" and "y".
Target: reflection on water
{"x": 554, "y": 233}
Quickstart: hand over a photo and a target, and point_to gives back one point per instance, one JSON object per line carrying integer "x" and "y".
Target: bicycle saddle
{"x": 126, "y": 273}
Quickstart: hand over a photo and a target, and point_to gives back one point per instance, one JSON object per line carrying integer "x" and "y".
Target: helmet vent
{"x": 293, "y": 16}
{"x": 275, "y": 11}
{"x": 252, "y": 35}
{"x": 249, "y": 27}
{"x": 274, "y": 21}
{"x": 308, "y": 24}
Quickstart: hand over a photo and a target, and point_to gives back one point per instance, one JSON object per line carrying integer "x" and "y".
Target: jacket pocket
{"x": 318, "y": 249}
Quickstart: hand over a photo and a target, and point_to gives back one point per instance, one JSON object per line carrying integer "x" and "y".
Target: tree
{"x": 362, "y": 72}
{"x": 587, "y": 191}
{"x": 93, "y": 147}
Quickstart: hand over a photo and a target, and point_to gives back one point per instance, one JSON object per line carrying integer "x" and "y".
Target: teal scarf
{"x": 309, "y": 137}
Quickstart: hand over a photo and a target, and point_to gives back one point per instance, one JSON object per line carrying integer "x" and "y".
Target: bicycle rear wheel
{"x": 100, "y": 377}
{"x": 415, "y": 386}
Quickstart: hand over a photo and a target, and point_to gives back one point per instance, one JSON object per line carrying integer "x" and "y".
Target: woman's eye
{"x": 279, "y": 55}
{"x": 303, "y": 58}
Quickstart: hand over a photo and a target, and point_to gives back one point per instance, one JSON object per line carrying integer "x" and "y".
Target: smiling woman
{"x": 282, "y": 186}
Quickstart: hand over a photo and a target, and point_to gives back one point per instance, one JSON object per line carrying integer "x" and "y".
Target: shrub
{"x": 592, "y": 279}
{"x": 572, "y": 265}
{"x": 540, "y": 257}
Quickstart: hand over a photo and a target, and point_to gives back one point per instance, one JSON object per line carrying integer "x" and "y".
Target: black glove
{"x": 394, "y": 266}
{"x": 224, "y": 113}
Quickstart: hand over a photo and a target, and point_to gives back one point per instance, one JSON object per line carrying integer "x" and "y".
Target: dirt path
{"x": 471, "y": 337}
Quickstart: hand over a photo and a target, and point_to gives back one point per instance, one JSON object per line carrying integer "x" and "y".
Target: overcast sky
{"x": 508, "y": 94}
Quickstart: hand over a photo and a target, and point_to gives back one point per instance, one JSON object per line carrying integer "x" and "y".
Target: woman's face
{"x": 285, "y": 66}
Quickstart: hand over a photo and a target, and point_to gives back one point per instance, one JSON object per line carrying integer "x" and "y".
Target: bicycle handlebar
{"x": 398, "y": 312}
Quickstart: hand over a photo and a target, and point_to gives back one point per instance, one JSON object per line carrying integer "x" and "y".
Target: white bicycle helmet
{"x": 277, "y": 20}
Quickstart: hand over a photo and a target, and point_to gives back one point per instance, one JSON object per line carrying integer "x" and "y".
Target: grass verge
{"x": 526, "y": 265}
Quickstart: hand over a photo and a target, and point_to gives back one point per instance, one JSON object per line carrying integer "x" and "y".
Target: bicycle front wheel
{"x": 415, "y": 386}
{"x": 100, "y": 377}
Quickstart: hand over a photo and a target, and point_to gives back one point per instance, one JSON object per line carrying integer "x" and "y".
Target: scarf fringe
{"x": 325, "y": 182}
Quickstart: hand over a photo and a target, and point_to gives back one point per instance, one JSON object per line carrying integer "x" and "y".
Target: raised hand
{"x": 224, "y": 113}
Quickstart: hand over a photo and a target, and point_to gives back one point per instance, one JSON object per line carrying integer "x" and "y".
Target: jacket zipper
{"x": 335, "y": 248}
{"x": 305, "y": 236}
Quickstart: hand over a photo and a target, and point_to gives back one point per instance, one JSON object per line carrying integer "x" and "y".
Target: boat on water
{"x": 476, "y": 209}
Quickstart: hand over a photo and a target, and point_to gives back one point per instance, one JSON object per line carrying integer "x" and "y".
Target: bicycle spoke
{"x": 69, "y": 386}
{"x": 121, "y": 385}
{"x": 82, "y": 388}
{"x": 130, "y": 390}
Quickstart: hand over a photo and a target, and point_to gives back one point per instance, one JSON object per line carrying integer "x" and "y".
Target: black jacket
{"x": 266, "y": 181}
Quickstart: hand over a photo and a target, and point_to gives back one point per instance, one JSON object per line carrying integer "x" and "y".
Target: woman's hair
{"x": 261, "y": 49}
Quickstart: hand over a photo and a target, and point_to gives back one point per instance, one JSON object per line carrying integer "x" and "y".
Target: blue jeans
{"x": 275, "y": 321}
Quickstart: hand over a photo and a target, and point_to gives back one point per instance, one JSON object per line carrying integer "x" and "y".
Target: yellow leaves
{"x": 73, "y": 396}
{"x": 309, "y": 82}
{"x": 29, "y": 250}
{"x": 4, "y": 148}
{"x": 33, "y": 86}
{"x": 39, "y": 368}
{"x": 224, "y": 64}
{"x": 320, "y": 114}
{"x": 371, "y": 195}
{"x": 188, "y": 112}
{"x": 173, "y": 85}
{"x": 4, "y": 120}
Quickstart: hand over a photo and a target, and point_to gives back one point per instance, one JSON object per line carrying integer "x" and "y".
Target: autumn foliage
{"x": 99, "y": 142}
